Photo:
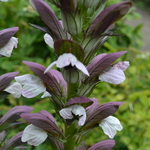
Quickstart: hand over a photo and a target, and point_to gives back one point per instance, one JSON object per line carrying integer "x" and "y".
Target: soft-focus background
{"x": 134, "y": 114}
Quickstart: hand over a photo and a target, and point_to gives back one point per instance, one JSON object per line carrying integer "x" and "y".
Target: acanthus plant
{"x": 76, "y": 38}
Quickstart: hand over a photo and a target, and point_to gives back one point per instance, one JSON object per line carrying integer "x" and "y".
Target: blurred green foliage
{"x": 143, "y": 4}
{"x": 134, "y": 91}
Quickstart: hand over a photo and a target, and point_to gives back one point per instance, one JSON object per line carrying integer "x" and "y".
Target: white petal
{"x": 77, "y": 110}
{"x": 15, "y": 89}
{"x": 122, "y": 65}
{"x": 66, "y": 60}
{"x": 46, "y": 94}
{"x": 82, "y": 119}
{"x": 14, "y": 41}
{"x": 66, "y": 113}
{"x": 81, "y": 67}
{"x": 32, "y": 85}
{"x": 113, "y": 76}
{"x": 28, "y": 79}
{"x": 48, "y": 40}
{"x": 63, "y": 61}
{"x": 110, "y": 125}
{"x": 32, "y": 90}
{"x": 33, "y": 135}
{"x": 7, "y": 49}
{"x": 50, "y": 66}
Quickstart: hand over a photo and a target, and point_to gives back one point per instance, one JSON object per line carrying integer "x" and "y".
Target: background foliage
{"x": 134, "y": 91}
{"x": 143, "y": 4}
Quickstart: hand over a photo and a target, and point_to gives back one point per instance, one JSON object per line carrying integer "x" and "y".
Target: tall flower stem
{"x": 70, "y": 135}
{"x": 72, "y": 88}
{"x": 70, "y": 130}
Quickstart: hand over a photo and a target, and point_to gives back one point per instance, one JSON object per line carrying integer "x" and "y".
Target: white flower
{"x": 8, "y": 48}
{"x": 74, "y": 110}
{"x": 110, "y": 125}
{"x": 48, "y": 40}
{"x": 15, "y": 89}
{"x": 32, "y": 85}
{"x": 68, "y": 59}
{"x": 33, "y": 135}
{"x": 115, "y": 74}
{"x": 27, "y": 85}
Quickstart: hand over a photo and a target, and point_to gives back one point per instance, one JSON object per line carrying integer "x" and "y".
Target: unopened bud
{"x": 71, "y": 74}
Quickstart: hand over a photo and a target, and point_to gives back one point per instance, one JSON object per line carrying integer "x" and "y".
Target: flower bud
{"x": 71, "y": 74}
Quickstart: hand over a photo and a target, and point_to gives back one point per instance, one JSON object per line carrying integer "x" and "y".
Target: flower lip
{"x": 68, "y": 59}
{"x": 115, "y": 74}
{"x": 34, "y": 135}
{"x": 74, "y": 112}
{"x": 32, "y": 85}
{"x": 27, "y": 85}
{"x": 110, "y": 125}
{"x": 15, "y": 89}
{"x": 8, "y": 48}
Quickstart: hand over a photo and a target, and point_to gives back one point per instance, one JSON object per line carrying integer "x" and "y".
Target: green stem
{"x": 70, "y": 135}
{"x": 70, "y": 131}
{"x": 72, "y": 88}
